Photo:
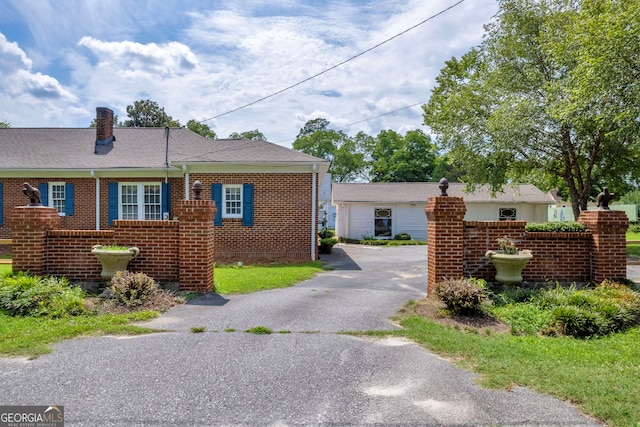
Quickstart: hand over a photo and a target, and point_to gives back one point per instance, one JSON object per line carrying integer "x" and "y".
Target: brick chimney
{"x": 104, "y": 130}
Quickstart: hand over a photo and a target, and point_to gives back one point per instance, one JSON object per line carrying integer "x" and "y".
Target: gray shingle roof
{"x": 73, "y": 148}
{"x": 419, "y": 192}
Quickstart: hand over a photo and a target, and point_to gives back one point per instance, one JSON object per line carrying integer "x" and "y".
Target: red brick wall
{"x": 597, "y": 254}
{"x": 282, "y": 218}
{"x": 563, "y": 257}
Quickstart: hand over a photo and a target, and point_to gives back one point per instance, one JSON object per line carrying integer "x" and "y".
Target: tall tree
{"x": 534, "y": 100}
{"x": 147, "y": 113}
{"x": 253, "y": 135}
{"x": 397, "y": 158}
{"x": 201, "y": 129}
{"x": 4, "y": 124}
{"x": 344, "y": 153}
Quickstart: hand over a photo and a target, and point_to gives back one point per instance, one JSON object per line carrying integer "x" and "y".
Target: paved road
{"x": 310, "y": 376}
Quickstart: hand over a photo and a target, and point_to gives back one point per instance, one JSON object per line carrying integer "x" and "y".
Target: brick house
{"x": 267, "y": 195}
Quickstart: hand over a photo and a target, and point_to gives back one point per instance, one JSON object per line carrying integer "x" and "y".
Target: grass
{"x": 600, "y": 376}
{"x": 5, "y": 268}
{"x": 633, "y": 250}
{"x": 232, "y": 279}
{"x": 32, "y": 336}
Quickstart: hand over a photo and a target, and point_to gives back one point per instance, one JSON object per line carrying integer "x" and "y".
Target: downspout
{"x": 186, "y": 181}
{"x": 314, "y": 228}
{"x": 97, "y": 199}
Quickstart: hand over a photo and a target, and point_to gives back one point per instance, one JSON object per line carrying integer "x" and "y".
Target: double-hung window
{"x": 140, "y": 201}
{"x": 57, "y": 197}
{"x": 232, "y": 201}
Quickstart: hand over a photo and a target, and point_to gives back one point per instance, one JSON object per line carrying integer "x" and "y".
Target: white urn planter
{"x": 509, "y": 266}
{"x": 113, "y": 259}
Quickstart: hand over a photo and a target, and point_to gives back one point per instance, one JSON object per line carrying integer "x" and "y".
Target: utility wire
{"x": 335, "y": 66}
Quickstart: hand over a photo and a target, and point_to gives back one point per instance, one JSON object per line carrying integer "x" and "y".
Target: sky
{"x": 60, "y": 59}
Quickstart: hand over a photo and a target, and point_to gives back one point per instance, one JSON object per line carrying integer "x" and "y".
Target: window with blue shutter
{"x": 43, "y": 187}
{"x": 1, "y": 205}
{"x": 247, "y": 205}
{"x": 112, "y": 196}
{"x": 69, "y": 199}
{"x": 216, "y": 196}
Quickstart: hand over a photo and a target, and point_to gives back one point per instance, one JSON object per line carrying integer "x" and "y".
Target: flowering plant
{"x": 507, "y": 246}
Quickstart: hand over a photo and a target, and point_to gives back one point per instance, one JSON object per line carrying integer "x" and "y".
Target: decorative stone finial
{"x": 197, "y": 190}
{"x": 444, "y": 184}
{"x": 604, "y": 198}
{"x": 33, "y": 194}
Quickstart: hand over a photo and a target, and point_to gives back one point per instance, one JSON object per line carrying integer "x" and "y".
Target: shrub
{"x": 325, "y": 233}
{"x": 634, "y": 228}
{"x": 132, "y": 289}
{"x": 610, "y": 307}
{"x": 462, "y": 296}
{"x": 567, "y": 227}
{"x": 24, "y": 295}
{"x": 402, "y": 236}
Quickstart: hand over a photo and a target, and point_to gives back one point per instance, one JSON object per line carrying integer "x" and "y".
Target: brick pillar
{"x": 445, "y": 232}
{"x": 196, "y": 244}
{"x": 29, "y": 226}
{"x": 609, "y": 246}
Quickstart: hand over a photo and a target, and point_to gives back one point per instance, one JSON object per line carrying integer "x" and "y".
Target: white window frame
{"x": 391, "y": 210}
{"x": 226, "y": 202}
{"x": 52, "y": 200}
{"x": 141, "y": 215}
{"x": 515, "y": 210}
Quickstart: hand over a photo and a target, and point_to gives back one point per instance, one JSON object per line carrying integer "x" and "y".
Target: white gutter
{"x": 186, "y": 181}
{"x": 314, "y": 228}
{"x": 97, "y": 199}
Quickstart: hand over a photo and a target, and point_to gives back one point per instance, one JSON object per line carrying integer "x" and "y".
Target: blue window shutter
{"x": 247, "y": 204}
{"x": 113, "y": 201}
{"x": 1, "y": 205}
{"x": 166, "y": 194}
{"x": 69, "y": 199}
{"x": 216, "y": 196}
{"x": 43, "y": 188}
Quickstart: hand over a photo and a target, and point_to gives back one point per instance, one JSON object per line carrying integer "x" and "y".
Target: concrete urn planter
{"x": 113, "y": 260}
{"x": 509, "y": 266}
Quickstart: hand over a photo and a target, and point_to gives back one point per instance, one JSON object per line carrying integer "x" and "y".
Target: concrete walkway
{"x": 311, "y": 375}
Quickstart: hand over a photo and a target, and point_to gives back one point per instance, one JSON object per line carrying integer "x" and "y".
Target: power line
{"x": 335, "y": 66}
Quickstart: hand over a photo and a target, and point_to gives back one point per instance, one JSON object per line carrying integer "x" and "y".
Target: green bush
{"x": 402, "y": 236}
{"x": 132, "y": 289}
{"x": 462, "y": 296}
{"x": 326, "y": 233}
{"x": 24, "y": 295}
{"x": 634, "y": 228}
{"x": 567, "y": 227}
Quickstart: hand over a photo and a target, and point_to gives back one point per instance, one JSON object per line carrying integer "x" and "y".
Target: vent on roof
{"x": 104, "y": 131}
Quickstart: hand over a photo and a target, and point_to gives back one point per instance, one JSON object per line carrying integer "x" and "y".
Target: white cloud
{"x": 167, "y": 59}
{"x": 12, "y": 58}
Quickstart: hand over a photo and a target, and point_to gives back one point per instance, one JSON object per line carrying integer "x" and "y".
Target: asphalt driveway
{"x": 312, "y": 375}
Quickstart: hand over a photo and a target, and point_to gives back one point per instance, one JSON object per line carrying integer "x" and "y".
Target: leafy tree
{"x": 147, "y": 113}
{"x": 4, "y": 124}
{"x": 344, "y": 153}
{"x": 397, "y": 158}
{"x": 550, "y": 94}
{"x": 201, "y": 129}
{"x": 253, "y": 135}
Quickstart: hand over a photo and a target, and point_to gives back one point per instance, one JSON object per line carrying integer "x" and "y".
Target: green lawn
{"x": 231, "y": 279}
{"x": 633, "y": 250}
{"x": 5, "y": 268}
{"x": 31, "y": 336}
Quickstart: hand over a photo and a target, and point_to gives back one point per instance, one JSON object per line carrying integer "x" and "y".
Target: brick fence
{"x": 457, "y": 248}
{"x": 170, "y": 251}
